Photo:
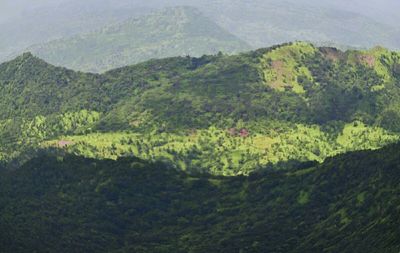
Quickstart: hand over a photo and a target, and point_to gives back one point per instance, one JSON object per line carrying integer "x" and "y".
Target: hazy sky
{"x": 12, "y": 8}
{"x": 24, "y": 23}
{"x": 382, "y": 10}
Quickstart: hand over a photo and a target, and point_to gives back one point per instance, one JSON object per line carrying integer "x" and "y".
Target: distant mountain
{"x": 220, "y": 114}
{"x": 59, "y": 20}
{"x": 384, "y": 11}
{"x": 57, "y": 203}
{"x": 269, "y": 22}
{"x": 258, "y": 23}
{"x": 291, "y": 148}
{"x": 264, "y": 23}
{"x": 172, "y": 32}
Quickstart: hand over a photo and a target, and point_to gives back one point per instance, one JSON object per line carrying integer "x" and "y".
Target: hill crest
{"x": 170, "y": 32}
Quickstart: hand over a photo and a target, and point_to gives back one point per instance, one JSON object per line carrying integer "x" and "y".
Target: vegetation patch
{"x": 220, "y": 152}
{"x": 283, "y": 66}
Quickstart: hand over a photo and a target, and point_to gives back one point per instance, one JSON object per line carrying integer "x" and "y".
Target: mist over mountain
{"x": 59, "y": 20}
{"x": 271, "y": 22}
{"x": 258, "y": 23}
{"x": 385, "y": 11}
{"x": 174, "y": 31}
{"x": 16, "y": 8}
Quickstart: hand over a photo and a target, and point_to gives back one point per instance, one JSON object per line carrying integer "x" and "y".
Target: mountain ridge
{"x": 177, "y": 31}
{"x": 225, "y": 114}
{"x": 261, "y": 24}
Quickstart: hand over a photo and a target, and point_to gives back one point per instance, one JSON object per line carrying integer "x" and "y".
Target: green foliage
{"x": 158, "y": 105}
{"x": 30, "y": 87}
{"x": 283, "y": 67}
{"x": 303, "y": 198}
{"x": 57, "y": 203}
{"x": 225, "y": 151}
{"x": 21, "y": 135}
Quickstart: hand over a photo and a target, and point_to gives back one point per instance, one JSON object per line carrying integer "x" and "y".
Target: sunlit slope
{"x": 222, "y": 114}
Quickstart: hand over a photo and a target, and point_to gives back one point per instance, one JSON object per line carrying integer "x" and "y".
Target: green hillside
{"x": 222, "y": 114}
{"x": 57, "y": 203}
{"x": 58, "y": 19}
{"x": 171, "y": 32}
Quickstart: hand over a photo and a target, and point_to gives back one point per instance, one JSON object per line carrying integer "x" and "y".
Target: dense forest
{"x": 284, "y": 149}
{"x": 227, "y": 115}
{"x": 63, "y": 203}
{"x": 161, "y": 126}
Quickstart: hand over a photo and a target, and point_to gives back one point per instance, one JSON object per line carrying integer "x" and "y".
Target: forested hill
{"x": 218, "y": 113}
{"x": 31, "y": 87}
{"x": 294, "y": 82}
{"x": 170, "y": 32}
{"x": 58, "y": 203}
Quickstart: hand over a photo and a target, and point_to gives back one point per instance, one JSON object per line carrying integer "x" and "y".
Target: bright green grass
{"x": 282, "y": 67}
{"x": 217, "y": 151}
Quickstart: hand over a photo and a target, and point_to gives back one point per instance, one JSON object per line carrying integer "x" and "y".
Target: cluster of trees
{"x": 177, "y": 95}
{"x": 20, "y": 134}
{"x": 219, "y": 152}
{"x": 57, "y": 203}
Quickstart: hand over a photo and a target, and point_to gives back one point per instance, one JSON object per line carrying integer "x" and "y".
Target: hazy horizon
{"x": 259, "y": 23}
{"x": 383, "y": 10}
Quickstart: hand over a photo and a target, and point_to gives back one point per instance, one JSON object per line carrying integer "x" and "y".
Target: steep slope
{"x": 172, "y": 32}
{"x": 64, "y": 204}
{"x": 221, "y": 114}
{"x": 31, "y": 87}
{"x": 31, "y": 90}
